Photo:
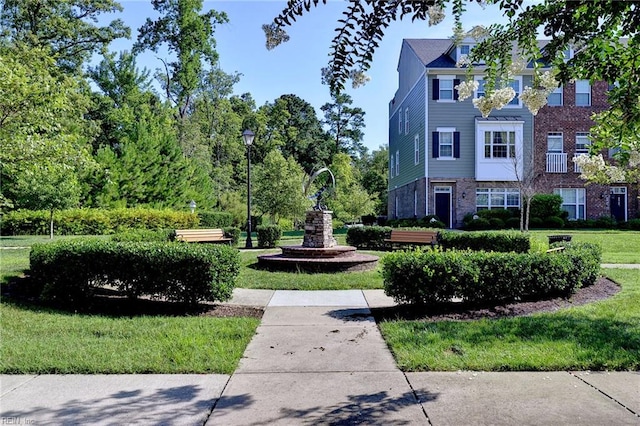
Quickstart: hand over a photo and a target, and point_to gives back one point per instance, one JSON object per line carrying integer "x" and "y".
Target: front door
{"x": 618, "y": 203}
{"x": 443, "y": 204}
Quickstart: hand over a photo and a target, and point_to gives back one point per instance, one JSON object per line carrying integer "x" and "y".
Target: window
{"x": 573, "y": 201}
{"x": 465, "y": 49}
{"x": 583, "y": 93}
{"x": 397, "y": 163}
{"x": 582, "y": 142}
{"x": 416, "y": 149}
{"x": 446, "y": 89}
{"x": 406, "y": 121}
{"x": 446, "y": 143}
{"x": 515, "y": 85}
{"x": 391, "y": 164}
{"x": 497, "y": 198}
{"x": 554, "y": 143}
{"x": 480, "y": 89}
{"x": 499, "y": 144}
{"x": 400, "y": 121}
{"x": 443, "y": 88}
{"x": 555, "y": 97}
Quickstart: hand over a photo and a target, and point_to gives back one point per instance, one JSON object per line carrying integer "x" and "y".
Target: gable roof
{"x": 431, "y": 51}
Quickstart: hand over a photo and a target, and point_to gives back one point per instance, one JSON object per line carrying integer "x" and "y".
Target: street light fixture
{"x": 248, "y": 136}
{"x": 192, "y": 206}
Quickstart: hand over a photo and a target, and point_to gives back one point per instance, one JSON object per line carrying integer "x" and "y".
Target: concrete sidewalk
{"x": 318, "y": 358}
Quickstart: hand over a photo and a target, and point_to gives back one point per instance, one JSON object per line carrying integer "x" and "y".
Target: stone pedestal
{"x": 318, "y": 230}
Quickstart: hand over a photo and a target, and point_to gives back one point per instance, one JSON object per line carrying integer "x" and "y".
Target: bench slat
{"x": 413, "y": 237}
{"x": 201, "y": 235}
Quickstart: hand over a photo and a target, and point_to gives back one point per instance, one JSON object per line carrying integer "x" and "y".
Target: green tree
{"x": 277, "y": 189}
{"x": 345, "y": 124}
{"x": 292, "y": 126}
{"x": 188, "y": 36}
{"x": 374, "y": 172}
{"x": 43, "y": 130}
{"x": 66, "y": 27}
{"x": 350, "y": 200}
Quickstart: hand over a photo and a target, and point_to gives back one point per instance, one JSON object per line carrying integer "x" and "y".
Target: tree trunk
{"x": 51, "y": 224}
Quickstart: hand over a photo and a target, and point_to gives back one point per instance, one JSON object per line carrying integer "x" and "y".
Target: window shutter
{"x": 435, "y": 145}
{"x": 435, "y": 89}
{"x": 456, "y": 144}
{"x": 456, "y": 82}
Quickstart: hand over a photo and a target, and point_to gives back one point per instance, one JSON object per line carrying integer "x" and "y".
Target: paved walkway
{"x": 318, "y": 358}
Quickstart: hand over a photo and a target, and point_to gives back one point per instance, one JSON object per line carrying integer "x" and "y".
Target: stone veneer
{"x": 318, "y": 229}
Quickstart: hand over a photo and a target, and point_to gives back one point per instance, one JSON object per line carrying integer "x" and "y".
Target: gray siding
{"x": 461, "y": 116}
{"x": 404, "y": 142}
{"x": 410, "y": 69}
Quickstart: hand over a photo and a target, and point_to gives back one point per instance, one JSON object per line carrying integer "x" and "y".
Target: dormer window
{"x": 465, "y": 49}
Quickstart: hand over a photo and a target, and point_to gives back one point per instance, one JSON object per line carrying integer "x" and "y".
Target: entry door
{"x": 443, "y": 204}
{"x": 618, "y": 203}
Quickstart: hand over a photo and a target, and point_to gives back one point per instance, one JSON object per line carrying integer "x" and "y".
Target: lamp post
{"x": 248, "y": 136}
{"x": 192, "y": 206}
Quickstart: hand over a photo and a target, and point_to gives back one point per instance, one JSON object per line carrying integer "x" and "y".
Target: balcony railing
{"x": 556, "y": 162}
{"x": 577, "y": 168}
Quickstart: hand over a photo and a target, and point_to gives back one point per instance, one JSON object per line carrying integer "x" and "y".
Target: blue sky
{"x": 294, "y": 67}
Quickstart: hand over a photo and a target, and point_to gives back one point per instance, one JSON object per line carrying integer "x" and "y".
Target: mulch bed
{"x": 602, "y": 289}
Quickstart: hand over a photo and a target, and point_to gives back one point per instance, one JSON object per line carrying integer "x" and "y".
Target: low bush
{"x": 477, "y": 224}
{"x": 233, "y": 233}
{"x": 512, "y": 223}
{"x": 545, "y": 205}
{"x": 502, "y": 214}
{"x": 368, "y": 237}
{"x": 69, "y": 271}
{"x": 433, "y": 276}
{"x": 606, "y": 222}
{"x": 94, "y": 221}
{"x": 633, "y": 224}
{"x": 486, "y": 241}
{"x": 553, "y": 222}
{"x": 268, "y": 235}
{"x": 144, "y": 235}
{"x": 211, "y": 219}
{"x": 431, "y": 221}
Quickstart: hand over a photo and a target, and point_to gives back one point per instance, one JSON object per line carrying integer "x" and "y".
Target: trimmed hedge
{"x": 209, "y": 219}
{"x": 94, "y": 221}
{"x": 268, "y": 235}
{"x": 144, "y": 235}
{"x": 368, "y": 237}
{"x": 432, "y": 276}
{"x": 69, "y": 271}
{"x": 487, "y": 241}
{"x": 233, "y": 233}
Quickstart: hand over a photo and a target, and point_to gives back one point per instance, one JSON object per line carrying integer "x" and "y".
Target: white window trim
{"x": 498, "y": 169}
{"x": 446, "y": 77}
{"x": 503, "y": 191}
{"x": 478, "y": 79}
{"x": 588, "y": 144}
{"x": 584, "y": 192}
{"x": 556, "y": 134}
{"x": 416, "y": 149}
{"x": 391, "y": 165}
{"x": 406, "y": 121}
{"x": 446, "y": 130}
{"x": 557, "y": 91}
{"x": 517, "y": 97}
{"x": 589, "y": 93}
{"x": 400, "y": 121}
{"x": 397, "y": 163}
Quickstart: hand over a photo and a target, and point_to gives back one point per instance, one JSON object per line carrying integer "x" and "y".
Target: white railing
{"x": 556, "y": 162}
{"x": 577, "y": 168}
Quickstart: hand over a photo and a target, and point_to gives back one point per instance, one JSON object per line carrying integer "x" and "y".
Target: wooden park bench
{"x": 400, "y": 238}
{"x": 555, "y": 249}
{"x": 202, "y": 236}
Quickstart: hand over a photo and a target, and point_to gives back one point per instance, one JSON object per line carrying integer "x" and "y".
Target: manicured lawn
{"x": 251, "y": 277}
{"x": 38, "y": 340}
{"x": 603, "y": 335}
{"x": 617, "y": 246}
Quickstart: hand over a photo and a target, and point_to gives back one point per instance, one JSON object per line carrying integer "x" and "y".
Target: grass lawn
{"x": 600, "y": 336}
{"x": 37, "y": 340}
{"x": 617, "y": 246}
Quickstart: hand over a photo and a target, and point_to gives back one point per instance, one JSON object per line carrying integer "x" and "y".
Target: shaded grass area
{"x": 41, "y": 340}
{"x": 253, "y": 277}
{"x": 603, "y": 335}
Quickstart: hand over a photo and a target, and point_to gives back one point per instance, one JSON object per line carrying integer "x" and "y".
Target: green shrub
{"x": 69, "y": 271}
{"x": 337, "y": 224}
{"x": 233, "y": 233}
{"x": 485, "y": 241}
{"x": 502, "y": 214}
{"x": 431, "y": 221}
{"x": 606, "y": 222}
{"x": 512, "y": 223}
{"x": 143, "y": 235}
{"x": 477, "y": 224}
{"x": 94, "y": 221}
{"x": 368, "y": 237}
{"x": 211, "y": 219}
{"x": 433, "y": 276}
{"x": 286, "y": 224}
{"x": 369, "y": 220}
{"x": 496, "y": 223}
{"x": 268, "y": 235}
{"x": 545, "y": 205}
{"x": 553, "y": 222}
{"x": 535, "y": 222}
{"x": 634, "y": 224}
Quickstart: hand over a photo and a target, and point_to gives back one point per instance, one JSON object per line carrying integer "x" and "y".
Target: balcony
{"x": 577, "y": 168}
{"x": 556, "y": 162}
